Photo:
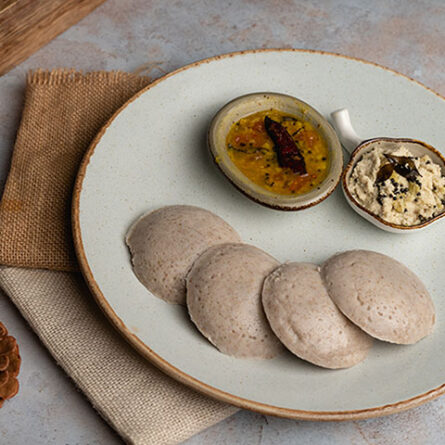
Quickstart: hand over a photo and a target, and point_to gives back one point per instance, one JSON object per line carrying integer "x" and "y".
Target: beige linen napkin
{"x": 62, "y": 113}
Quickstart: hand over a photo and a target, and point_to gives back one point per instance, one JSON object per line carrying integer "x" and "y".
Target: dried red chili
{"x": 288, "y": 153}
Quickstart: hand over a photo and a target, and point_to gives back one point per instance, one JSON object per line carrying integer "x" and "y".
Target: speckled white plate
{"x": 153, "y": 153}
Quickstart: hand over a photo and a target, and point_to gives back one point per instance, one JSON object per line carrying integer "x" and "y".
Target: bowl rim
{"x": 318, "y": 198}
{"x": 354, "y": 202}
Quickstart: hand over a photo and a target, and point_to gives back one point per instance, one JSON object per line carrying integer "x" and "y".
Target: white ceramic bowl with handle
{"x": 357, "y": 147}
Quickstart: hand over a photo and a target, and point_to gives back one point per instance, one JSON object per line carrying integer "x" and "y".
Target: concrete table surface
{"x": 155, "y": 37}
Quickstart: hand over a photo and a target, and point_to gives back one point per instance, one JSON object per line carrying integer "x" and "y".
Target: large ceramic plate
{"x": 153, "y": 153}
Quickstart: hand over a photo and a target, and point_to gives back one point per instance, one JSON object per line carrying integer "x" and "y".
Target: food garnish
{"x": 288, "y": 153}
{"x": 384, "y": 173}
{"x": 403, "y": 165}
{"x": 279, "y": 152}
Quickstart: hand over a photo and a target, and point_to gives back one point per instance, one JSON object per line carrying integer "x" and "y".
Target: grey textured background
{"x": 155, "y": 37}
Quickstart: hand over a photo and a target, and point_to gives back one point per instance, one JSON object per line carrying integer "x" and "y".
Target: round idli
{"x": 380, "y": 295}
{"x": 224, "y": 300}
{"x": 307, "y": 322}
{"x": 165, "y": 243}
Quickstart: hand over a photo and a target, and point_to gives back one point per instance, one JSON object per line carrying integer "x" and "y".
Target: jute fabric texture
{"x": 62, "y": 113}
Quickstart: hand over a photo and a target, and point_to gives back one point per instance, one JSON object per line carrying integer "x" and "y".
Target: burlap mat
{"x": 63, "y": 111}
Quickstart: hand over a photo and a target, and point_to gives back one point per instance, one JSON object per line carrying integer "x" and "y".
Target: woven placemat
{"x": 63, "y": 111}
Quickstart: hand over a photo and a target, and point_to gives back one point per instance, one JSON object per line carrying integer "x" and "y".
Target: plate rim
{"x": 156, "y": 359}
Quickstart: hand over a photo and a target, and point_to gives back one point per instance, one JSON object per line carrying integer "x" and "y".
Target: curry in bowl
{"x": 277, "y": 150}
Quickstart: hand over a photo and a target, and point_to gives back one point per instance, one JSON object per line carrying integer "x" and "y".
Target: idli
{"x": 380, "y": 295}
{"x": 224, "y": 300}
{"x": 306, "y": 320}
{"x": 165, "y": 243}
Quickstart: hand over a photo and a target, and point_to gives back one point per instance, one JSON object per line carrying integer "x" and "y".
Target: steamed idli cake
{"x": 380, "y": 295}
{"x": 306, "y": 320}
{"x": 223, "y": 299}
{"x": 165, "y": 243}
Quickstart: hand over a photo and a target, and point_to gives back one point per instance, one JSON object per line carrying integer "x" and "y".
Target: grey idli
{"x": 306, "y": 320}
{"x": 224, "y": 300}
{"x": 165, "y": 243}
{"x": 380, "y": 295}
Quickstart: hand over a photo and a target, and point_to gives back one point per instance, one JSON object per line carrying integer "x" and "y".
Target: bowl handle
{"x": 343, "y": 126}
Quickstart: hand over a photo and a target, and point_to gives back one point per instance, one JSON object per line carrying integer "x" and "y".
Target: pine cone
{"x": 9, "y": 365}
